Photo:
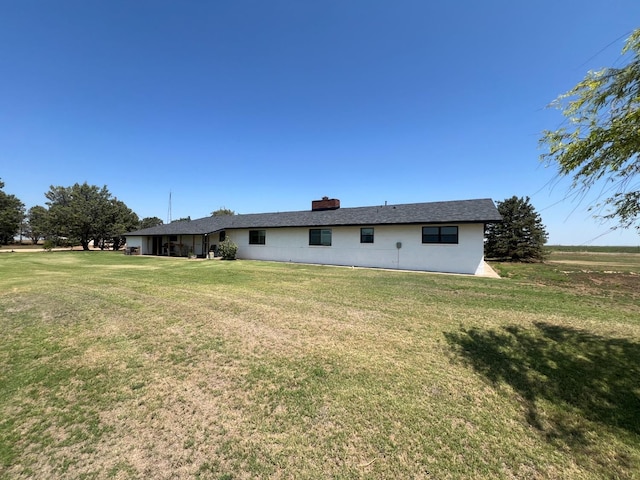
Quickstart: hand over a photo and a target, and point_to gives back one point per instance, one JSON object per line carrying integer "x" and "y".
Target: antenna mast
{"x": 169, "y": 209}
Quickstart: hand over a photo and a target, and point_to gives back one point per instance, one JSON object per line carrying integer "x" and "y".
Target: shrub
{"x": 228, "y": 249}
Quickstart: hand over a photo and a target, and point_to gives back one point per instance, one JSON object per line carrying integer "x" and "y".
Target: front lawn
{"x": 115, "y": 366}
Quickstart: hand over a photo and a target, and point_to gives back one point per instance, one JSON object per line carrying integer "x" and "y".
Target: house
{"x": 435, "y": 236}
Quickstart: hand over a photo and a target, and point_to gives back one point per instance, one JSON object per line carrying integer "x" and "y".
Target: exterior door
{"x": 157, "y": 245}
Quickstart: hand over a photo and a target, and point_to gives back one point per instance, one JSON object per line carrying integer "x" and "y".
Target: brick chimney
{"x": 325, "y": 204}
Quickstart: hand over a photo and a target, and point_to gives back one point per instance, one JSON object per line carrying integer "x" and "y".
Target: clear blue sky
{"x": 262, "y": 106}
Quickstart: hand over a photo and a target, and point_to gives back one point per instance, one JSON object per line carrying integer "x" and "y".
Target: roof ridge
{"x": 348, "y": 208}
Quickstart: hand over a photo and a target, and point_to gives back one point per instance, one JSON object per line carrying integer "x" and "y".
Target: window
{"x": 439, "y": 234}
{"x": 320, "y": 236}
{"x": 222, "y": 236}
{"x": 366, "y": 235}
{"x": 257, "y": 237}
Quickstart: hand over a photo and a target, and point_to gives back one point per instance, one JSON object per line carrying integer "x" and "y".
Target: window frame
{"x": 257, "y": 237}
{"x": 322, "y": 234}
{"x": 441, "y": 237}
{"x": 367, "y": 237}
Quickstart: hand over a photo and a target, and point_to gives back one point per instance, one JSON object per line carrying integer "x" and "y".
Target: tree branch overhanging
{"x": 600, "y": 139}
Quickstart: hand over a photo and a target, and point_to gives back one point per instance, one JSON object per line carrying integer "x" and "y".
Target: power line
{"x": 604, "y": 48}
{"x": 596, "y": 238}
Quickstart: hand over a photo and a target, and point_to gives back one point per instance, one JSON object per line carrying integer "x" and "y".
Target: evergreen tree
{"x": 11, "y": 216}
{"x": 118, "y": 220}
{"x": 149, "y": 222}
{"x": 521, "y": 235}
{"x": 124, "y": 220}
{"x": 86, "y": 212}
{"x": 37, "y": 225}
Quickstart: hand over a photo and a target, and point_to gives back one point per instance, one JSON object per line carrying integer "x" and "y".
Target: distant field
{"x": 115, "y": 366}
{"x": 594, "y": 249}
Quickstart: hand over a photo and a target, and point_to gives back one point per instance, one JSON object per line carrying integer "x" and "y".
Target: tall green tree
{"x": 600, "y": 140}
{"x": 37, "y": 223}
{"x": 124, "y": 220}
{"x": 11, "y": 216}
{"x": 86, "y": 212}
{"x": 520, "y": 236}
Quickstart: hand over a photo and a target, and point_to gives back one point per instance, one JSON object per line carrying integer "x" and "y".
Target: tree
{"x": 222, "y": 211}
{"x": 11, "y": 216}
{"x": 601, "y": 142}
{"x": 520, "y": 236}
{"x": 85, "y": 212}
{"x": 126, "y": 221}
{"x": 78, "y": 212}
{"x": 37, "y": 224}
{"x": 120, "y": 219}
{"x": 149, "y": 222}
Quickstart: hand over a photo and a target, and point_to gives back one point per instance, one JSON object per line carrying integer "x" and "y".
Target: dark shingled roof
{"x": 459, "y": 211}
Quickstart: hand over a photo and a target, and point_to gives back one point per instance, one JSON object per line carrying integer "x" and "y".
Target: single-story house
{"x": 435, "y": 236}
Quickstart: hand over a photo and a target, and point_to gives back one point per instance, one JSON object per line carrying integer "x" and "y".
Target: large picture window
{"x": 320, "y": 236}
{"x": 439, "y": 234}
{"x": 366, "y": 235}
{"x": 257, "y": 237}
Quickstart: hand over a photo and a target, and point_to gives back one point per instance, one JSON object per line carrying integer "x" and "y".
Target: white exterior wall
{"x": 292, "y": 245}
{"x": 135, "y": 242}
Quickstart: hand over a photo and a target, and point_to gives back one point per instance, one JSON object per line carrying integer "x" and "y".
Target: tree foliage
{"x": 37, "y": 223}
{"x": 85, "y": 212}
{"x": 600, "y": 141}
{"x": 521, "y": 235}
{"x": 149, "y": 222}
{"x": 121, "y": 219}
{"x": 222, "y": 211}
{"x": 11, "y": 216}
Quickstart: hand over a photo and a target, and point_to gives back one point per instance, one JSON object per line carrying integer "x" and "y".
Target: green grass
{"x": 115, "y": 366}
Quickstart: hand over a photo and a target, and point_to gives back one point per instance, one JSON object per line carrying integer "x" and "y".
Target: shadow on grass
{"x": 585, "y": 377}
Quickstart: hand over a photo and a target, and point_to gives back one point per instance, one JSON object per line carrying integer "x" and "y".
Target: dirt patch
{"x": 606, "y": 283}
